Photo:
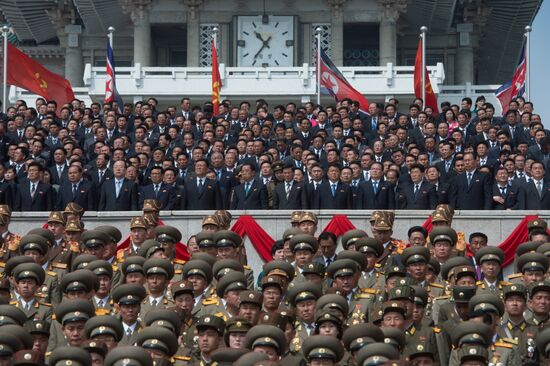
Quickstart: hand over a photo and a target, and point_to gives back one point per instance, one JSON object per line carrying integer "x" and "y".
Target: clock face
{"x": 264, "y": 44}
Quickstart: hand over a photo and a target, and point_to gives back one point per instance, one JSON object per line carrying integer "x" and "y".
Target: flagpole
{"x": 318, "y": 36}
{"x": 5, "y": 30}
{"x": 423, "y": 31}
{"x": 110, "y": 32}
{"x": 528, "y": 30}
{"x": 215, "y": 31}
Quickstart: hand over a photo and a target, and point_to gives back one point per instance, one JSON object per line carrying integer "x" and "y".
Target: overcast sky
{"x": 540, "y": 63}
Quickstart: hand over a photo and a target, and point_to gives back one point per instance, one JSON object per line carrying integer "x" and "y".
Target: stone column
{"x": 193, "y": 32}
{"x": 388, "y": 30}
{"x": 464, "y": 65}
{"x": 139, "y": 13}
{"x": 337, "y": 31}
{"x": 74, "y": 65}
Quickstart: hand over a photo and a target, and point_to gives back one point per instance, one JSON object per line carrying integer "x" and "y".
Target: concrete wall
{"x": 496, "y": 224}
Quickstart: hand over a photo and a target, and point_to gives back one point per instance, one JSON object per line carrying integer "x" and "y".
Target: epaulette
{"x": 369, "y": 291}
{"x": 436, "y": 330}
{"x": 102, "y": 311}
{"x": 51, "y": 273}
{"x": 178, "y": 271}
{"x": 437, "y": 285}
{"x": 515, "y": 275}
{"x": 59, "y": 265}
{"x": 115, "y": 267}
{"x": 13, "y": 302}
{"x": 504, "y": 283}
{"x": 47, "y": 354}
{"x": 220, "y": 315}
{"x": 210, "y": 301}
{"x": 54, "y": 317}
{"x": 363, "y": 296}
{"x": 245, "y": 266}
{"x": 503, "y": 344}
{"x": 45, "y": 304}
{"x": 182, "y": 358}
{"x": 2, "y": 264}
{"x": 480, "y": 283}
{"x": 510, "y": 340}
{"x": 444, "y": 297}
{"x": 378, "y": 265}
{"x": 179, "y": 261}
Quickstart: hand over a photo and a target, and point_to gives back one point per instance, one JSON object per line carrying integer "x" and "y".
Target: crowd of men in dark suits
{"x": 282, "y": 157}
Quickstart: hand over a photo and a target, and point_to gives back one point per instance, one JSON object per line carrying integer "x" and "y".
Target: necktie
{"x": 315, "y": 184}
{"x": 129, "y": 331}
{"x": 288, "y": 186}
{"x": 33, "y": 189}
{"x": 375, "y": 186}
{"x": 503, "y": 191}
{"x": 539, "y": 188}
{"x": 75, "y": 187}
{"x": 20, "y": 133}
{"x": 100, "y": 304}
{"x": 100, "y": 175}
{"x": 118, "y": 186}
{"x": 154, "y": 302}
{"x": 28, "y": 306}
{"x": 201, "y": 184}
{"x": 469, "y": 178}
{"x": 328, "y": 262}
{"x": 416, "y": 188}
{"x": 157, "y": 189}
{"x": 333, "y": 189}
{"x": 310, "y": 329}
{"x": 521, "y": 174}
{"x": 218, "y": 175}
{"x": 247, "y": 188}
{"x": 59, "y": 171}
{"x": 447, "y": 166}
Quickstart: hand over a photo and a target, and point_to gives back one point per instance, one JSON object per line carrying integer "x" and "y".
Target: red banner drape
{"x": 339, "y": 225}
{"x": 262, "y": 242}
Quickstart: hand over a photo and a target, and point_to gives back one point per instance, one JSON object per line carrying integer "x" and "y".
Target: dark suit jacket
{"x": 297, "y": 199}
{"x": 42, "y": 201}
{"x": 166, "y": 196}
{"x": 94, "y": 177}
{"x": 511, "y": 199}
{"x": 86, "y": 196}
{"x": 55, "y": 176}
{"x": 6, "y": 194}
{"x": 530, "y": 199}
{"x": 425, "y": 199}
{"x": 126, "y": 201}
{"x": 209, "y": 198}
{"x": 383, "y": 199}
{"x": 477, "y": 196}
{"x": 256, "y": 199}
{"x": 442, "y": 193}
{"x": 342, "y": 200}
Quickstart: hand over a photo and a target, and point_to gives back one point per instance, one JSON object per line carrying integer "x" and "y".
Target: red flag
{"x": 335, "y": 84}
{"x": 28, "y": 74}
{"x": 515, "y": 88}
{"x": 216, "y": 80}
{"x": 431, "y": 99}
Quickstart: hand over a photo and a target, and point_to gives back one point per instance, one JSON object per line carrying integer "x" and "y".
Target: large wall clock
{"x": 265, "y": 41}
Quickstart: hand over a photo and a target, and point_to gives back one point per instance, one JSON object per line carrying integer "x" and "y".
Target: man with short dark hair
{"x": 251, "y": 194}
{"x": 289, "y": 194}
{"x": 32, "y": 193}
{"x": 471, "y": 190}
{"x": 417, "y": 194}
{"x": 77, "y": 190}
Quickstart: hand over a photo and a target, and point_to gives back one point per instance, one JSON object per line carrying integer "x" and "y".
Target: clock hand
{"x": 259, "y": 36}
{"x": 259, "y": 51}
{"x": 266, "y": 42}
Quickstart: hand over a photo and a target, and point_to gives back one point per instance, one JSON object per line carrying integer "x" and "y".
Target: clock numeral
{"x": 246, "y": 54}
{"x": 254, "y": 24}
{"x": 246, "y": 33}
{"x": 285, "y": 32}
{"x": 265, "y": 64}
{"x": 277, "y": 62}
{"x": 276, "y": 24}
{"x": 284, "y": 54}
{"x": 289, "y": 42}
{"x": 241, "y": 43}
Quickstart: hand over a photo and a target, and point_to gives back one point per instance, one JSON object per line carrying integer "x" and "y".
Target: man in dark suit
{"x": 118, "y": 193}
{"x": 33, "y": 194}
{"x": 158, "y": 190}
{"x": 101, "y": 172}
{"x": 312, "y": 188}
{"x": 441, "y": 189}
{"x": 334, "y": 194}
{"x": 471, "y": 190}
{"x": 75, "y": 189}
{"x": 505, "y": 195}
{"x": 376, "y": 193}
{"x": 417, "y": 194}
{"x": 535, "y": 194}
{"x": 251, "y": 194}
{"x": 289, "y": 195}
{"x": 445, "y": 165}
{"x": 200, "y": 192}
{"x": 58, "y": 171}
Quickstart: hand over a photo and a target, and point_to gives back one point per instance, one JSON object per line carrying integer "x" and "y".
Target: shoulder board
{"x": 54, "y": 317}
{"x": 515, "y": 275}
{"x": 47, "y": 354}
{"x": 51, "y": 273}
{"x": 363, "y": 296}
{"x": 59, "y": 265}
{"x": 378, "y": 265}
{"x": 502, "y": 344}
{"x": 510, "y": 340}
{"x": 436, "y": 330}
{"x": 2, "y": 264}
{"x": 115, "y": 267}
{"x": 13, "y": 302}
{"x": 369, "y": 291}
{"x": 102, "y": 311}
{"x": 178, "y": 271}
{"x": 246, "y": 266}
{"x": 179, "y": 261}
{"x": 210, "y": 301}
{"x": 479, "y": 283}
{"x": 437, "y": 285}
{"x": 504, "y": 283}
{"x": 45, "y": 304}
{"x": 445, "y": 297}
{"x": 182, "y": 358}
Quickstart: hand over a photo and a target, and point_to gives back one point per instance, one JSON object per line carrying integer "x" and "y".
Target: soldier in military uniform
{"x": 102, "y": 297}
{"x": 532, "y": 267}
{"x": 131, "y": 271}
{"x": 228, "y": 290}
{"x": 326, "y": 350}
{"x": 443, "y": 240}
{"x": 28, "y": 279}
{"x": 69, "y": 356}
{"x": 73, "y": 211}
{"x": 235, "y": 332}
{"x": 168, "y": 237}
{"x": 73, "y": 232}
{"x": 303, "y": 297}
{"x": 40, "y": 332}
{"x": 303, "y": 247}
{"x": 295, "y": 219}
{"x": 199, "y": 274}
{"x": 206, "y": 243}
{"x": 267, "y": 339}
{"x": 10, "y": 241}
{"x": 382, "y": 231}
{"x": 490, "y": 260}
{"x": 210, "y": 223}
{"x": 356, "y": 337}
{"x": 250, "y": 306}
{"x": 107, "y": 329}
{"x": 350, "y": 237}
{"x": 314, "y": 272}
{"x": 371, "y": 249}
{"x": 94, "y": 242}
{"x": 138, "y": 234}
{"x": 228, "y": 244}
{"x": 277, "y": 169}
{"x": 378, "y": 354}
{"x": 161, "y": 343}
{"x": 308, "y": 223}
{"x": 539, "y": 303}
{"x": 127, "y": 299}
{"x": 61, "y": 251}
{"x": 415, "y": 260}
{"x": 36, "y": 247}
{"x": 158, "y": 273}
{"x": 210, "y": 331}
{"x": 72, "y": 316}
{"x": 130, "y": 355}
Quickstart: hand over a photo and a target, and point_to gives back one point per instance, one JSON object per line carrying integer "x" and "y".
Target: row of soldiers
{"x": 69, "y": 297}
